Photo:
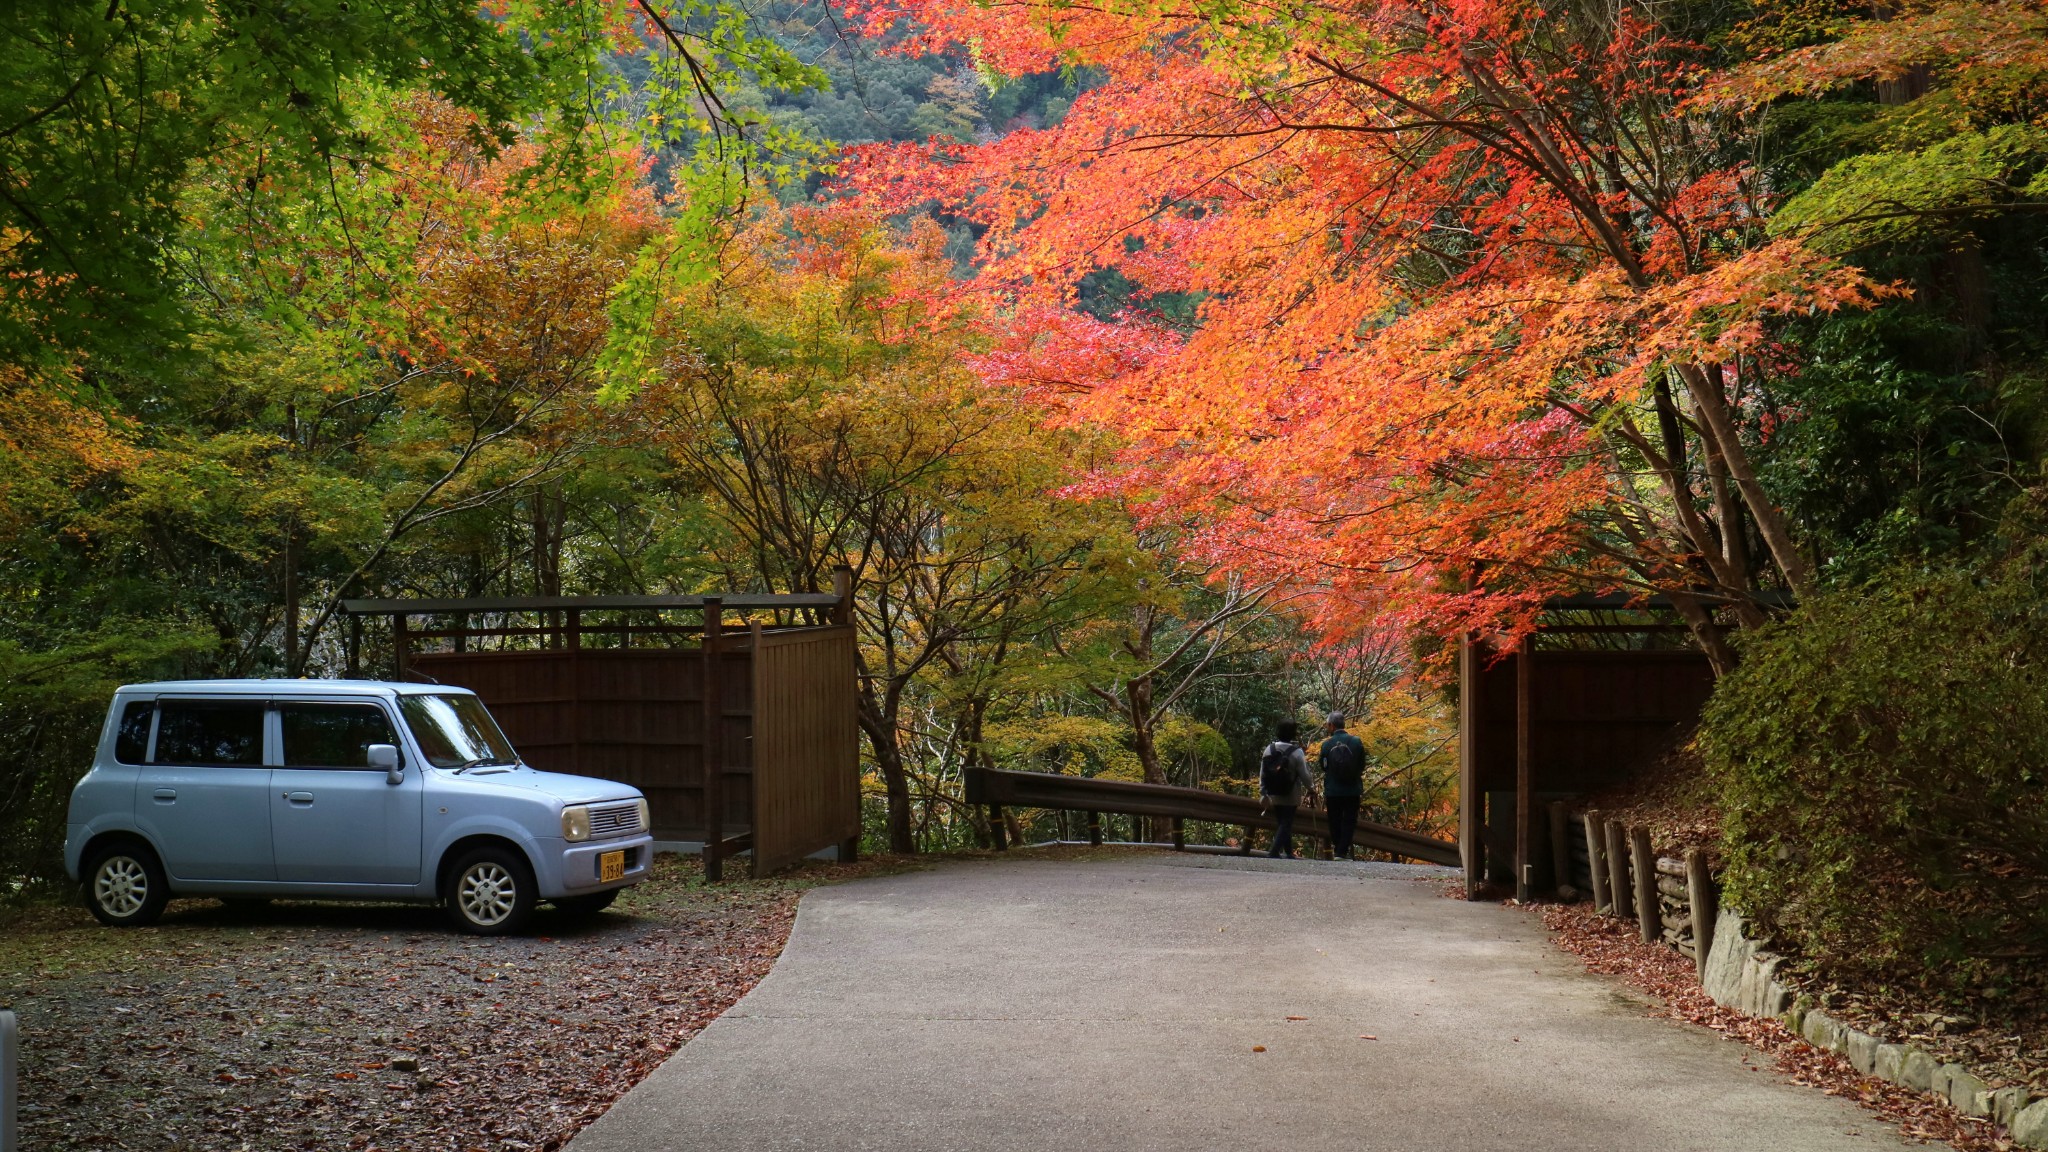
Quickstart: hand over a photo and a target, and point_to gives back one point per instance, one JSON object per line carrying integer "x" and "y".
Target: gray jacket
{"x": 1297, "y": 760}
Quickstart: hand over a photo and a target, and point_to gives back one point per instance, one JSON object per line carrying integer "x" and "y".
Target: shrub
{"x": 52, "y": 704}
{"x": 1880, "y": 760}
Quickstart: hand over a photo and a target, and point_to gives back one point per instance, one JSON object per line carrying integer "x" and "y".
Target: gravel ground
{"x": 332, "y": 1026}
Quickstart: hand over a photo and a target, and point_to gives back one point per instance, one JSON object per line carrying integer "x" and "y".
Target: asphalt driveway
{"x": 1123, "y": 1004}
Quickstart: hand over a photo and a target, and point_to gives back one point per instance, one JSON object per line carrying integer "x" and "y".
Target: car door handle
{"x": 165, "y": 795}
{"x": 299, "y": 798}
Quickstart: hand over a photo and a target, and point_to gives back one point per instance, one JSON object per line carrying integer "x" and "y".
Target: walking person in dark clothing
{"x": 1283, "y": 781}
{"x": 1342, "y": 759}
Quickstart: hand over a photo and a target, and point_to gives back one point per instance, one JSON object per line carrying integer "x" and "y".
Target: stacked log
{"x": 1676, "y": 904}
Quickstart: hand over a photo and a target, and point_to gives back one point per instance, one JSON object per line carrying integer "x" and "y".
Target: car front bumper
{"x": 578, "y": 865}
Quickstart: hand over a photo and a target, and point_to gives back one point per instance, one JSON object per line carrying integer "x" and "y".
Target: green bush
{"x": 1881, "y": 760}
{"x": 52, "y": 705}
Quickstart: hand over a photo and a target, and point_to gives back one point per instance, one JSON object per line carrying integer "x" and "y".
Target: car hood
{"x": 524, "y": 781}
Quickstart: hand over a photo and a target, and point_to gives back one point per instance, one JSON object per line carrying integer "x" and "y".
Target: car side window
{"x": 332, "y": 735}
{"x": 131, "y": 739}
{"x": 224, "y": 733}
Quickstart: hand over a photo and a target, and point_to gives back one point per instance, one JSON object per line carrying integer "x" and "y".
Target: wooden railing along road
{"x": 1000, "y": 790}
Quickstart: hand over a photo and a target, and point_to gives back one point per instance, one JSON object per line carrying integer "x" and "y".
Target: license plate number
{"x": 611, "y": 866}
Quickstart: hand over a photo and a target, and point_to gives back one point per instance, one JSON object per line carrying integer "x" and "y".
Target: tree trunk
{"x": 1718, "y": 422}
{"x": 1138, "y": 695}
{"x": 878, "y": 723}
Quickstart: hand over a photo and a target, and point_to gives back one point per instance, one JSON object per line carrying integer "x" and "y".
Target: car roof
{"x": 273, "y": 687}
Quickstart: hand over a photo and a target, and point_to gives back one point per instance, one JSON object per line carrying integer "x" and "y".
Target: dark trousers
{"x": 1283, "y": 835}
{"x": 1343, "y": 816}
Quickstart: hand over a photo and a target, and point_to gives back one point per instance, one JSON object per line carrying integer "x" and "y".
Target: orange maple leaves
{"x": 1440, "y": 255}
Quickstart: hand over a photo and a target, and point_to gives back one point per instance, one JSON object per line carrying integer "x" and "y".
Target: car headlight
{"x": 644, "y": 824}
{"x": 576, "y": 823}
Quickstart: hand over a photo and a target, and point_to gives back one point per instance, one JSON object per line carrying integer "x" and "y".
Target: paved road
{"x": 1035, "y": 1005}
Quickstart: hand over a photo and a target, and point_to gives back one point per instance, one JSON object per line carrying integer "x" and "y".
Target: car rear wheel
{"x": 490, "y": 892}
{"x": 125, "y": 886}
{"x": 587, "y": 905}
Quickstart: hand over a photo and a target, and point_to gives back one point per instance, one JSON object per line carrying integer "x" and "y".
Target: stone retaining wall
{"x": 1743, "y": 977}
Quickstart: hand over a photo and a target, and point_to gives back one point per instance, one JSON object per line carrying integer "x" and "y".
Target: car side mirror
{"x": 385, "y": 756}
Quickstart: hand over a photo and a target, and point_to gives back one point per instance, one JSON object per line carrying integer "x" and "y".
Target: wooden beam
{"x": 1617, "y": 870}
{"x": 1471, "y": 843}
{"x": 1525, "y": 817}
{"x": 1699, "y": 889}
{"x": 740, "y": 600}
{"x": 1596, "y": 861}
{"x": 1560, "y": 849}
{"x": 714, "y": 744}
{"x": 1649, "y": 910}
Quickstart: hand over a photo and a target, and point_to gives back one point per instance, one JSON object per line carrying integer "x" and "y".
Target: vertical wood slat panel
{"x": 806, "y": 761}
{"x": 630, "y": 715}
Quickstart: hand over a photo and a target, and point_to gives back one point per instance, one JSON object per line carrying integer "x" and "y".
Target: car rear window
{"x": 226, "y": 733}
{"x": 131, "y": 740}
{"x": 332, "y": 735}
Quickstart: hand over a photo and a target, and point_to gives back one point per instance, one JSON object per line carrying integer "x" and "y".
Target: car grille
{"x": 615, "y": 819}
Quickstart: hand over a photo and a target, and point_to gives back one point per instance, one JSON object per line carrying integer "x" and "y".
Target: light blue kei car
{"x": 339, "y": 789}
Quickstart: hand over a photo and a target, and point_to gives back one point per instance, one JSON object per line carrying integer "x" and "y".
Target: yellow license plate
{"x": 611, "y": 866}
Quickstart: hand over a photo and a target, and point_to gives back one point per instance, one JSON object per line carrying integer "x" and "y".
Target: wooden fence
{"x": 803, "y": 684}
{"x": 1000, "y": 789}
{"x": 745, "y": 741}
{"x": 1671, "y": 900}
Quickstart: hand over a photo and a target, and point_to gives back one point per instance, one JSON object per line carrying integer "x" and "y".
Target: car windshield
{"x": 456, "y": 731}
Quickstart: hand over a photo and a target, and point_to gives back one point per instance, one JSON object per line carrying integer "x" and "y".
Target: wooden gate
{"x": 803, "y": 681}
{"x": 746, "y": 740}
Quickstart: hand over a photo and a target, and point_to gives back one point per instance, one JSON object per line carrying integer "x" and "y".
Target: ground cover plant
{"x": 326, "y": 1026}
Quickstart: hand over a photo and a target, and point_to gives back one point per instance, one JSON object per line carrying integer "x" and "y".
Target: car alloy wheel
{"x": 491, "y": 891}
{"x": 488, "y": 894}
{"x": 125, "y": 887}
{"x": 121, "y": 886}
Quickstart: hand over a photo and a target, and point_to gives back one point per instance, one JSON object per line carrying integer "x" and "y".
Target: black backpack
{"x": 1276, "y": 771}
{"x": 1340, "y": 761}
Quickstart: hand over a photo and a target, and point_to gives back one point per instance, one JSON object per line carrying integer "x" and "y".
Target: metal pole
{"x": 10, "y": 1060}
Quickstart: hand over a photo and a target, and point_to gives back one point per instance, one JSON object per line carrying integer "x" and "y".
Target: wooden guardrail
{"x": 1001, "y": 789}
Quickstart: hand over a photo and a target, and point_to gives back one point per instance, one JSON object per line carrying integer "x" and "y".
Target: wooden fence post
{"x": 1560, "y": 850}
{"x": 1617, "y": 869}
{"x": 997, "y": 831}
{"x": 1095, "y": 829}
{"x": 842, "y": 587}
{"x": 1649, "y": 912}
{"x": 714, "y": 743}
{"x": 1180, "y": 835}
{"x": 1525, "y": 768}
{"x": 1596, "y": 862}
{"x": 1699, "y": 889}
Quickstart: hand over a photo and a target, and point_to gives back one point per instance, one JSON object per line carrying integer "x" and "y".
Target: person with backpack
{"x": 1283, "y": 781}
{"x": 1342, "y": 758}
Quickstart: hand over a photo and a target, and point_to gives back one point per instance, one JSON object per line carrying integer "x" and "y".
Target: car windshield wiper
{"x": 487, "y": 762}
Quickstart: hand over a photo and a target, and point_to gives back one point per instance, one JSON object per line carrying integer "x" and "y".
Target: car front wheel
{"x": 490, "y": 892}
{"x": 125, "y": 886}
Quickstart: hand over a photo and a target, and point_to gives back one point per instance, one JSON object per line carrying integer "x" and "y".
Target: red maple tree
{"x": 1480, "y": 291}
